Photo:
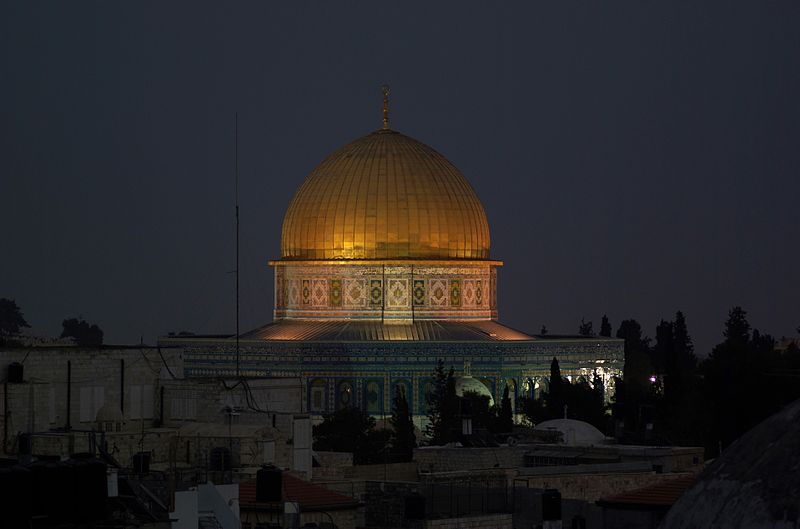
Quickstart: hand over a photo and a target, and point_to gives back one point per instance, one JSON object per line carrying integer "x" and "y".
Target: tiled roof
{"x": 358, "y": 331}
{"x": 309, "y": 495}
{"x": 660, "y": 496}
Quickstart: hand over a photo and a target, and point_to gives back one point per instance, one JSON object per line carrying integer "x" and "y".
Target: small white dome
{"x": 468, "y": 384}
{"x": 575, "y": 432}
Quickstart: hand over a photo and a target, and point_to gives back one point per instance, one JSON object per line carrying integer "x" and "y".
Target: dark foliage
{"x": 605, "y": 327}
{"x": 505, "y": 417}
{"x": 745, "y": 381}
{"x": 352, "y": 430}
{"x": 443, "y": 407}
{"x": 585, "y": 328}
{"x": 85, "y": 335}
{"x": 403, "y": 440}
{"x": 584, "y": 400}
{"x": 555, "y": 397}
{"x": 634, "y": 400}
{"x": 11, "y": 319}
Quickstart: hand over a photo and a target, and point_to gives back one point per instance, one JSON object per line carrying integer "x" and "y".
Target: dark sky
{"x": 634, "y": 158}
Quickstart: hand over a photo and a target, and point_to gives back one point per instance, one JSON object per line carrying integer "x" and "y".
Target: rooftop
{"x": 310, "y": 496}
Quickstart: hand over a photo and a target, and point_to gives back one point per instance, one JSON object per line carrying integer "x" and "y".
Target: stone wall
{"x": 487, "y": 521}
{"x": 591, "y": 487}
{"x": 449, "y": 459}
{"x": 40, "y": 402}
{"x": 390, "y": 471}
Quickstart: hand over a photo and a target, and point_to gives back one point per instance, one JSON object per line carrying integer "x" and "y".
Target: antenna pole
{"x": 236, "y": 147}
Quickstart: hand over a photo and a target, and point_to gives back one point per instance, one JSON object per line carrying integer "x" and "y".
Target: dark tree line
{"x": 582, "y": 400}
{"x": 12, "y": 322}
{"x": 446, "y": 410}
{"x": 351, "y": 429}
{"x": 709, "y": 402}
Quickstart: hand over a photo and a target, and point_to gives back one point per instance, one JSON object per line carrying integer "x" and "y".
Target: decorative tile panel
{"x": 455, "y": 292}
{"x": 438, "y": 292}
{"x": 355, "y": 292}
{"x": 478, "y": 292}
{"x": 294, "y": 295}
{"x": 306, "y": 292}
{"x": 397, "y": 293}
{"x": 376, "y": 292}
{"x": 319, "y": 292}
{"x": 336, "y": 292}
{"x": 419, "y": 292}
{"x": 469, "y": 293}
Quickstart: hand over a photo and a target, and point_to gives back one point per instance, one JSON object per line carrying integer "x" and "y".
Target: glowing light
{"x": 652, "y": 379}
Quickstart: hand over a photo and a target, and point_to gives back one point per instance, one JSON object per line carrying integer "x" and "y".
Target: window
{"x": 141, "y": 402}
{"x": 318, "y": 395}
{"x": 372, "y": 397}
{"x": 91, "y": 400}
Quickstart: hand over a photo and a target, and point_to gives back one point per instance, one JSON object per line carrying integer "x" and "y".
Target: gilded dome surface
{"x": 385, "y": 196}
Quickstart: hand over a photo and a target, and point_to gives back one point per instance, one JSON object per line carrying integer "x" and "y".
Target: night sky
{"x": 634, "y": 158}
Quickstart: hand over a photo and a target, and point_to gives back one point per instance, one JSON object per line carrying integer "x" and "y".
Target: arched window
{"x": 544, "y": 387}
{"x": 317, "y": 395}
{"x": 346, "y": 395}
{"x": 512, "y": 393}
{"x": 428, "y": 388}
{"x": 373, "y": 397}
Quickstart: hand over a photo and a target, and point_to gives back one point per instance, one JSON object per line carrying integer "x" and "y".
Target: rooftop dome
{"x": 385, "y": 196}
{"x": 754, "y": 483}
{"x": 467, "y": 384}
{"x": 575, "y": 432}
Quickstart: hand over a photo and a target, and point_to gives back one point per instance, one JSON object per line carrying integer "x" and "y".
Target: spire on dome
{"x": 385, "y": 89}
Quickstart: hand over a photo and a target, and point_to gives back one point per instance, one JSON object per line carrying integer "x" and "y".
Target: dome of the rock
{"x": 385, "y": 196}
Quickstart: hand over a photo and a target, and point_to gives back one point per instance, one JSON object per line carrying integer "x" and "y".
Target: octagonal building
{"x": 384, "y": 269}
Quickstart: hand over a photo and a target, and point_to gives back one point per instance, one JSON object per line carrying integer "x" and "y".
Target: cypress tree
{"x": 403, "y": 437}
{"x": 605, "y": 327}
{"x": 555, "y": 398}
{"x": 442, "y": 406}
{"x": 505, "y": 420}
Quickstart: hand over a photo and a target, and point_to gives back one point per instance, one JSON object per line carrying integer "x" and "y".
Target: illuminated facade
{"x": 385, "y": 268}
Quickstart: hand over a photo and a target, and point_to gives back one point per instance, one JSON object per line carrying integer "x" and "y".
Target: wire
{"x": 158, "y": 348}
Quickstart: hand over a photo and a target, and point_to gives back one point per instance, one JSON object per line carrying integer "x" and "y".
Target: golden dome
{"x": 385, "y": 196}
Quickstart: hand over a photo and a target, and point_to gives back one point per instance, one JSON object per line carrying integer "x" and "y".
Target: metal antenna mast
{"x": 236, "y": 147}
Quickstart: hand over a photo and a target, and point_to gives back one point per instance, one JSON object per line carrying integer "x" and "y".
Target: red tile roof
{"x": 309, "y": 495}
{"x": 658, "y": 497}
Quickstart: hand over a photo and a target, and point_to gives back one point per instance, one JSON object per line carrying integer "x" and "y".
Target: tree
{"x": 684, "y": 349}
{"x": 664, "y": 349}
{"x": 442, "y": 407}
{"x": 404, "y": 440}
{"x": 638, "y": 368}
{"x": 476, "y": 406}
{"x": 505, "y": 419}
{"x": 352, "y": 430}
{"x": 85, "y": 335}
{"x": 585, "y": 328}
{"x": 543, "y": 331}
{"x": 605, "y": 327}
{"x": 744, "y": 381}
{"x": 737, "y": 328}
{"x": 11, "y": 318}
{"x": 555, "y": 398}
{"x": 585, "y": 401}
